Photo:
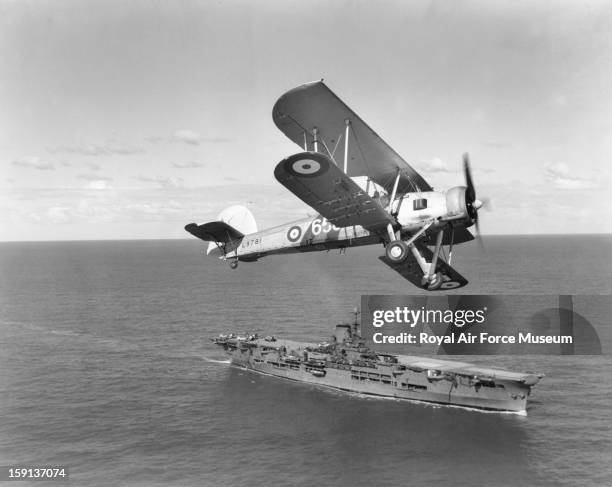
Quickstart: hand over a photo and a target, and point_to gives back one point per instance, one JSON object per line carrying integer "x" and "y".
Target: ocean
{"x": 106, "y": 366}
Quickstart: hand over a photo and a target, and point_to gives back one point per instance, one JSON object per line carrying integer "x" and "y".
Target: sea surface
{"x": 106, "y": 367}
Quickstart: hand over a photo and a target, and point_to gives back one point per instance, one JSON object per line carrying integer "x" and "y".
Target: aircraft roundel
{"x": 294, "y": 234}
{"x": 307, "y": 164}
{"x": 450, "y": 285}
{"x": 306, "y": 167}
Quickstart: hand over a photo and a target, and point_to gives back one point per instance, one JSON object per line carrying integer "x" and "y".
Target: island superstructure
{"x": 347, "y": 364}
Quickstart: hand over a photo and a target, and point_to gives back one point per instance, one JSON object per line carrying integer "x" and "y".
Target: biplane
{"x": 364, "y": 194}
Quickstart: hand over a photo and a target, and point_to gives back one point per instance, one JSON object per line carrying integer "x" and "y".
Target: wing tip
{"x": 277, "y": 113}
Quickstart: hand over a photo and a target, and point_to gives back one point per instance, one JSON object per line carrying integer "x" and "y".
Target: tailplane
{"x": 227, "y": 231}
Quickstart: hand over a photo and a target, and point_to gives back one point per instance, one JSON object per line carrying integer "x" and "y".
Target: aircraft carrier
{"x": 345, "y": 363}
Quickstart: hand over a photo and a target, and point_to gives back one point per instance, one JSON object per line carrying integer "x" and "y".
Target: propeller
{"x": 472, "y": 204}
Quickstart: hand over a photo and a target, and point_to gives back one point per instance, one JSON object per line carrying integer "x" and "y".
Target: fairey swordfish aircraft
{"x": 363, "y": 191}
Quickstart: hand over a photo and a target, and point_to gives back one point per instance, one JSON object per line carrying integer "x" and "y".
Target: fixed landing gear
{"x": 397, "y": 251}
{"x": 432, "y": 283}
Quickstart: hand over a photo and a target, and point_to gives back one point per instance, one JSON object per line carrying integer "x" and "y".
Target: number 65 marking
{"x": 322, "y": 224}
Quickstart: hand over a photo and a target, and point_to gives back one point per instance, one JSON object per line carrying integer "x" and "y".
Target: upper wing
{"x": 316, "y": 180}
{"x": 410, "y": 270}
{"x": 314, "y": 106}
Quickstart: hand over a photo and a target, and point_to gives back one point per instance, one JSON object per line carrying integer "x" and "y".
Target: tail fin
{"x": 231, "y": 226}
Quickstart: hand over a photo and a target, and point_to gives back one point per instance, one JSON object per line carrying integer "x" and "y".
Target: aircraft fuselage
{"x": 305, "y": 235}
{"x": 316, "y": 233}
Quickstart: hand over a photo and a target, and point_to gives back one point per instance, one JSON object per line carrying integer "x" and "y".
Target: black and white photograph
{"x": 345, "y": 243}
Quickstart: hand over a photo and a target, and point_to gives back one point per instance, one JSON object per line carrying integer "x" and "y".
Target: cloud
{"x": 94, "y": 177}
{"x": 434, "y": 165}
{"x": 558, "y": 174}
{"x": 34, "y": 162}
{"x": 574, "y": 184}
{"x": 74, "y": 212}
{"x": 164, "y": 182}
{"x": 187, "y": 165}
{"x": 556, "y": 170}
{"x": 110, "y": 147}
{"x": 497, "y": 144}
{"x": 98, "y": 184}
{"x": 154, "y": 139}
{"x": 59, "y": 214}
{"x": 92, "y": 165}
{"x": 187, "y": 136}
{"x": 96, "y": 181}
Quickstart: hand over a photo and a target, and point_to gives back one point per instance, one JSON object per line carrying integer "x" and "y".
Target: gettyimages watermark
{"x": 485, "y": 325}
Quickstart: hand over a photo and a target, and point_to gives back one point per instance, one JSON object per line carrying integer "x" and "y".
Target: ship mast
{"x": 356, "y": 326}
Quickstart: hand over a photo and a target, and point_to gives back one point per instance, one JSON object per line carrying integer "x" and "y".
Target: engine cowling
{"x": 456, "y": 204}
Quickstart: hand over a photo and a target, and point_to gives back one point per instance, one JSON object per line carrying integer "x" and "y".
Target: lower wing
{"x": 410, "y": 270}
{"x": 318, "y": 182}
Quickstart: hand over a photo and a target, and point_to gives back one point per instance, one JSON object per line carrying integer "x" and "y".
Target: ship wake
{"x": 217, "y": 361}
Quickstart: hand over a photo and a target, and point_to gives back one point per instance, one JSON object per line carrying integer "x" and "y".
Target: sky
{"x": 127, "y": 120}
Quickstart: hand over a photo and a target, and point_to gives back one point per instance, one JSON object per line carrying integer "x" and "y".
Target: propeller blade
{"x": 479, "y": 235}
{"x": 473, "y": 205}
{"x": 470, "y": 192}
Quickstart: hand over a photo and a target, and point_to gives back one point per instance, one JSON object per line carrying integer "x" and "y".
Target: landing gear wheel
{"x": 435, "y": 283}
{"x": 397, "y": 251}
{"x": 233, "y": 264}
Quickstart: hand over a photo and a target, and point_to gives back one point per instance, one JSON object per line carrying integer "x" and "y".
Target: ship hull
{"x": 384, "y": 381}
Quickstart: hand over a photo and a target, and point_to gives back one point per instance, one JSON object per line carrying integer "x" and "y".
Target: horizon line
{"x": 191, "y": 238}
